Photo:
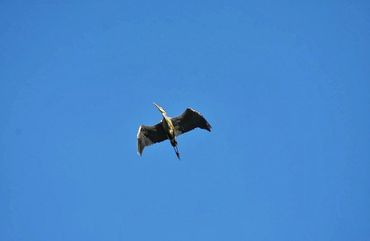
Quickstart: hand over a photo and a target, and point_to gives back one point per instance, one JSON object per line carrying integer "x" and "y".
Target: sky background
{"x": 285, "y": 86}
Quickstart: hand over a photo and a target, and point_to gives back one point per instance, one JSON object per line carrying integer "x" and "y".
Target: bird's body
{"x": 169, "y": 128}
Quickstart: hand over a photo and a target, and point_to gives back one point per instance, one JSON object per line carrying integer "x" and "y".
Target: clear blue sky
{"x": 285, "y": 86}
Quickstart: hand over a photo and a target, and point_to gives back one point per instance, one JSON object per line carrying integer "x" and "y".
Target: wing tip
{"x": 140, "y": 149}
{"x": 140, "y": 146}
{"x": 207, "y": 126}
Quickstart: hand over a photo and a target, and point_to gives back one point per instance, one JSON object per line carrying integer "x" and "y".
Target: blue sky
{"x": 285, "y": 86}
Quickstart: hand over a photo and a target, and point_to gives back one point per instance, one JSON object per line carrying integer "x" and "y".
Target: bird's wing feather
{"x": 148, "y": 135}
{"x": 189, "y": 120}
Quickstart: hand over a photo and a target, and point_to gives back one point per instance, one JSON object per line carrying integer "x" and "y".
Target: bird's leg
{"x": 177, "y": 152}
{"x": 174, "y": 144}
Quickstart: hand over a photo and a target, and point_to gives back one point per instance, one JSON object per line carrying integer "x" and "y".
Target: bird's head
{"x": 160, "y": 109}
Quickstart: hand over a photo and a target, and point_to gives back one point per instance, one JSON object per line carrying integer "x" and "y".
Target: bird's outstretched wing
{"x": 148, "y": 135}
{"x": 189, "y": 120}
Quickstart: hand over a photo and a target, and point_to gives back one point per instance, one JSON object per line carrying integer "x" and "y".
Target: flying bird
{"x": 170, "y": 128}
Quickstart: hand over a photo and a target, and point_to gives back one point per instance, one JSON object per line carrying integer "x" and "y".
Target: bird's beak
{"x": 159, "y": 108}
{"x": 156, "y": 105}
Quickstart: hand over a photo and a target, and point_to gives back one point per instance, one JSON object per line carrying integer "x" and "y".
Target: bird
{"x": 169, "y": 128}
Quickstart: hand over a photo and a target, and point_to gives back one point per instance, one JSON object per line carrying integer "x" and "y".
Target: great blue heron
{"x": 169, "y": 128}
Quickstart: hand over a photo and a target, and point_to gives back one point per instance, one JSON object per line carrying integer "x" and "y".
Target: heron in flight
{"x": 170, "y": 128}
